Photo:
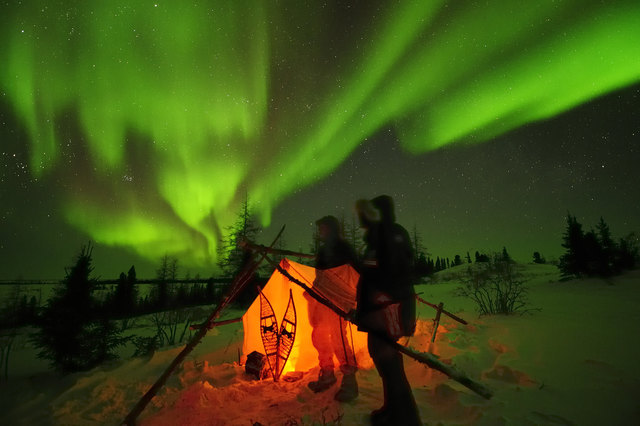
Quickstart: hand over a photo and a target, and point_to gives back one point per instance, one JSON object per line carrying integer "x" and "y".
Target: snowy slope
{"x": 573, "y": 362}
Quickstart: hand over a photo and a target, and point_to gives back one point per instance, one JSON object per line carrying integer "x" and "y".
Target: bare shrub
{"x": 496, "y": 287}
{"x": 172, "y": 326}
{"x": 7, "y": 338}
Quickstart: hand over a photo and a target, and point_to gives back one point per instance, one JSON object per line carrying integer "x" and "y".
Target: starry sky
{"x": 141, "y": 125}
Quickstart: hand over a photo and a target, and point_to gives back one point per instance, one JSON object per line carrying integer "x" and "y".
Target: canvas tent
{"x": 336, "y": 284}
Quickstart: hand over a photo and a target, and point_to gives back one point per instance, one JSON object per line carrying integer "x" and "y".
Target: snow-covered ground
{"x": 573, "y": 362}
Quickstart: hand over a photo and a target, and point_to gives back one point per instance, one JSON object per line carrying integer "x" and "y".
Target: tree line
{"x": 595, "y": 252}
{"x": 232, "y": 258}
{"x": 77, "y": 330}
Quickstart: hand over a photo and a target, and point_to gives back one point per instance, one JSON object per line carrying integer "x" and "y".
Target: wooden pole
{"x": 249, "y": 245}
{"x": 238, "y": 284}
{"x": 422, "y": 357}
{"x": 215, "y": 323}
{"x": 436, "y": 322}
{"x": 449, "y": 314}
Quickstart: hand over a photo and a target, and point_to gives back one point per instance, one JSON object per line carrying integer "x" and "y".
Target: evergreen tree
{"x": 537, "y": 258}
{"x": 161, "y": 291}
{"x": 120, "y": 294}
{"x": 573, "y": 262}
{"x": 353, "y": 235}
{"x": 173, "y": 269}
{"x": 608, "y": 248}
{"x": 423, "y": 268}
{"x": 592, "y": 251}
{"x": 416, "y": 239}
{"x": 505, "y": 255}
{"x": 481, "y": 257}
{"x": 468, "y": 258}
{"x": 626, "y": 256}
{"x": 132, "y": 289}
{"x": 420, "y": 264}
{"x": 70, "y": 334}
{"x": 126, "y": 295}
{"x": 457, "y": 260}
{"x": 131, "y": 275}
{"x": 231, "y": 257}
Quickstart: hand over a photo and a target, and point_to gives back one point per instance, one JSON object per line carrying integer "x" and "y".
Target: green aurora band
{"x": 159, "y": 116}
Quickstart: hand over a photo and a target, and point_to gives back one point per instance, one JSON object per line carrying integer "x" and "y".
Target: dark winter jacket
{"x": 335, "y": 252}
{"x": 387, "y": 267}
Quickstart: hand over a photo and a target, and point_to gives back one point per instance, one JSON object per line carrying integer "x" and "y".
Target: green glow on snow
{"x": 228, "y": 97}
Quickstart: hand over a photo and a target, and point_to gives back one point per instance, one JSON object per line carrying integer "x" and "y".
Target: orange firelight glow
{"x": 304, "y": 356}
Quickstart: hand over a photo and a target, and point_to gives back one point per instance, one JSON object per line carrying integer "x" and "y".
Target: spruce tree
{"x": 231, "y": 257}
{"x": 161, "y": 290}
{"x": 353, "y": 235}
{"x": 537, "y": 258}
{"x": 173, "y": 269}
{"x": 592, "y": 251}
{"x": 626, "y": 256}
{"x": 70, "y": 333}
{"x": 573, "y": 261}
{"x": 608, "y": 249}
{"x": 132, "y": 289}
{"x": 423, "y": 267}
{"x": 126, "y": 295}
{"x": 120, "y": 295}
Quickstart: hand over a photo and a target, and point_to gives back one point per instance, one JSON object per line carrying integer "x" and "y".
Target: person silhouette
{"x": 328, "y": 329}
{"x": 386, "y": 305}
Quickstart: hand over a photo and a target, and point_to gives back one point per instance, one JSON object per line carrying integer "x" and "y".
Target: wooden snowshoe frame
{"x": 277, "y": 342}
{"x": 240, "y": 281}
{"x": 422, "y": 357}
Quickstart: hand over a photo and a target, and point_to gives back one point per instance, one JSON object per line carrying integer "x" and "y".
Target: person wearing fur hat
{"x": 386, "y": 305}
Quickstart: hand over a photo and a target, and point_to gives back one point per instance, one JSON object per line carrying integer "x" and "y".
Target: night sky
{"x": 141, "y": 125}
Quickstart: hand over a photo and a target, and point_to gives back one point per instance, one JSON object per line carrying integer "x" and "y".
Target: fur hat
{"x": 384, "y": 204}
{"x": 367, "y": 212}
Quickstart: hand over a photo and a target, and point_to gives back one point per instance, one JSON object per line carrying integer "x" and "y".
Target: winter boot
{"x": 388, "y": 416}
{"x": 400, "y": 409}
{"x": 348, "y": 388}
{"x": 381, "y": 416}
{"x": 326, "y": 379}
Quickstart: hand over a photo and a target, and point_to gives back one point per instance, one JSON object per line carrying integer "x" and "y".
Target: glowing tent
{"x": 336, "y": 284}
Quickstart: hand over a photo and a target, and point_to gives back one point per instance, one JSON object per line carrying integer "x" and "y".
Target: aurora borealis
{"x": 142, "y": 124}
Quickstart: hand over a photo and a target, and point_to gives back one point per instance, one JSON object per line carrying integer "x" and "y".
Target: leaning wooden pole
{"x": 449, "y": 314}
{"x": 436, "y": 322}
{"x": 239, "y": 282}
{"x": 422, "y": 357}
{"x": 258, "y": 247}
{"x": 213, "y": 324}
